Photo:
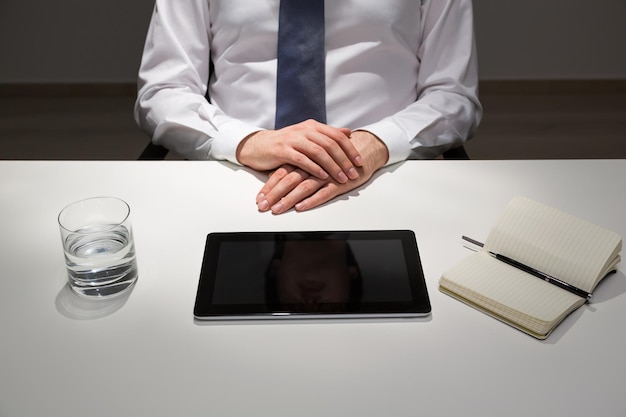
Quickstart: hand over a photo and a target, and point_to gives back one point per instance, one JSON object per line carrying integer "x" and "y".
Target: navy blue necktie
{"x": 300, "y": 83}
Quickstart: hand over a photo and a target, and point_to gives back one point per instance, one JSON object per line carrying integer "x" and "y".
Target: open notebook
{"x": 573, "y": 250}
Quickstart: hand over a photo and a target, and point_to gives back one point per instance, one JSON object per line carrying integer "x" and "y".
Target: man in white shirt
{"x": 401, "y": 82}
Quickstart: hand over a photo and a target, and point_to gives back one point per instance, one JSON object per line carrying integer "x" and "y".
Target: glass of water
{"x": 99, "y": 248}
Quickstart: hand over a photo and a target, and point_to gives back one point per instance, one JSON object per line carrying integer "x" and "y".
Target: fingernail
{"x": 342, "y": 177}
{"x": 352, "y": 173}
{"x": 359, "y": 160}
{"x": 260, "y": 197}
{"x": 301, "y": 206}
{"x": 277, "y": 208}
{"x": 323, "y": 175}
{"x": 264, "y": 205}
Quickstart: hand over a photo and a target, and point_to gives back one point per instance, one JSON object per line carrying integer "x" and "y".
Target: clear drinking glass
{"x": 99, "y": 248}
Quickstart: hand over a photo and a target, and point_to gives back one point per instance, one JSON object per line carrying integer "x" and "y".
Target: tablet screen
{"x": 252, "y": 275}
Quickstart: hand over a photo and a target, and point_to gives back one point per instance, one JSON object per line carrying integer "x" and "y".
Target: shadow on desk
{"x": 75, "y": 307}
{"x": 300, "y": 321}
{"x": 610, "y": 287}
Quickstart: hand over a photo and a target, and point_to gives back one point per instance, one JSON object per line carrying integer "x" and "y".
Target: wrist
{"x": 245, "y": 148}
{"x": 373, "y": 150}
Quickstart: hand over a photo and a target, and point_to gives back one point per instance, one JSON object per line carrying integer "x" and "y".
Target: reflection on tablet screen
{"x": 311, "y": 273}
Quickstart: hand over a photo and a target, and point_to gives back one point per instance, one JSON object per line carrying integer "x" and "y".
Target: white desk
{"x": 145, "y": 356}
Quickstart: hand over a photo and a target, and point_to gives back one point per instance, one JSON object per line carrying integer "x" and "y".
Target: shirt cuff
{"x": 230, "y": 134}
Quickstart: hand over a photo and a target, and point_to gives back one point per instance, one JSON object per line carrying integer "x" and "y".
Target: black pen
{"x": 542, "y": 275}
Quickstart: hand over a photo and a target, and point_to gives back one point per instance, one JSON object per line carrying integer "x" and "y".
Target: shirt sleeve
{"x": 447, "y": 111}
{"x": 171, "y": 102}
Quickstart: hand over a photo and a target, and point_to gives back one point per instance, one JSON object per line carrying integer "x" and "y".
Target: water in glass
{"x": 100, "y": 260}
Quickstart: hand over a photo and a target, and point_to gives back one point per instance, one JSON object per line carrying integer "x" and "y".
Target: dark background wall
{"x": 85, "y": 41}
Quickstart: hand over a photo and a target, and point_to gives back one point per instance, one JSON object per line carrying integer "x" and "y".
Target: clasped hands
{"x": 313, "y": 163}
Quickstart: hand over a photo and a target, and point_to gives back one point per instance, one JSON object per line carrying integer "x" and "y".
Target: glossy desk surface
{"x": 143, "y": 354}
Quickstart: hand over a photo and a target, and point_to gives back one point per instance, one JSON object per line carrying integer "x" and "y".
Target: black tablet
{"x": 339, "y": 274}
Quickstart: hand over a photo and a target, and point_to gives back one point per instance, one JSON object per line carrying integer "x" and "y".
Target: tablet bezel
{"x": 205, "y": 309}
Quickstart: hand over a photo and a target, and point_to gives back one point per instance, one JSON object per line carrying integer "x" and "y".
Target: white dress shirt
{"x": 405, "y": 70}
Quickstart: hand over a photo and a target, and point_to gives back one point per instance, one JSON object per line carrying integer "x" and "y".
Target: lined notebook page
{"x": 509, "y": 294}
{"x": 555, "y": 242}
